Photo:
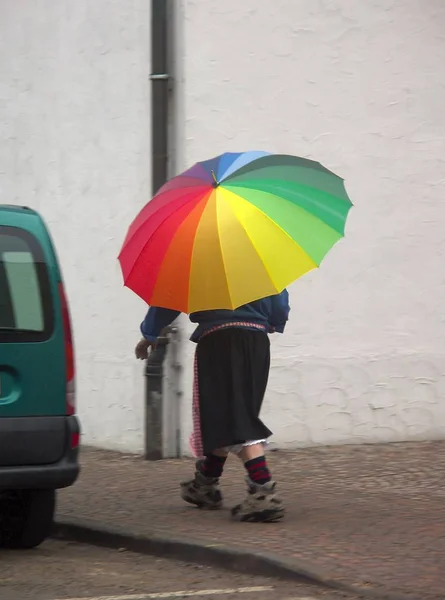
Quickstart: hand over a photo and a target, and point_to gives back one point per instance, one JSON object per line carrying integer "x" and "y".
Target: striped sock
{"x": 258, "y": 471}
{"x": 212, "y": 466}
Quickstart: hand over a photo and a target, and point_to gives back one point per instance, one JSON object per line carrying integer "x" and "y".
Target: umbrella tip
{"x": 215, "y": 181}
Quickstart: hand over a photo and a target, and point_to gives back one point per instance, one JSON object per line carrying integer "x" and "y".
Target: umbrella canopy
{"x": 233, "y": 229}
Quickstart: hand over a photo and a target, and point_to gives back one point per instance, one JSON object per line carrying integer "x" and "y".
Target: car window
{"x": 25, "y": 297}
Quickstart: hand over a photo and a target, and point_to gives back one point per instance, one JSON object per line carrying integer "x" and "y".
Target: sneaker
{"x": 262, "y": 505}
{"x": 202, "y": 491}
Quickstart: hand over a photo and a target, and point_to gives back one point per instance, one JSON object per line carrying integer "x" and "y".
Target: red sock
{"x": 257, "y": 470}
{"x": 213, "y": 466}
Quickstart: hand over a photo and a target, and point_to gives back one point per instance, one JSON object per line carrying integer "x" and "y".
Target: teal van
{"x": 39, "y": 432}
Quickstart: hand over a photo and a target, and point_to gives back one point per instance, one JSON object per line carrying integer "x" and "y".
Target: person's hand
{"x": 141, "y": 350}
{"x": 271, "y": 329}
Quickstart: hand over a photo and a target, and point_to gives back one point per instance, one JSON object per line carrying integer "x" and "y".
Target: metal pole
{"x": 159, "y": 77}
{"x": 160, "y": 92}
{"x": 154, "y": 372}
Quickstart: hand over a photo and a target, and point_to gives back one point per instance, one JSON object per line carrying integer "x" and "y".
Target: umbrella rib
{"x": 318, "y": 204}
{"x": 305, "y": 187}
{"x": 153, "y": 233}
{"x": 252, "y": 168}
{"x": 151, "y": 215}
{"x": 220, "y": 245}
{"x": 280, "y": 228}
{"x": 289, "y": 236}
{"x": 250, "y": 239}
{"x": 199, "y": 182}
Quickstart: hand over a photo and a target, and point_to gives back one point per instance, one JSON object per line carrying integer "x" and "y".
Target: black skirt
{"x": 233, "y": 369}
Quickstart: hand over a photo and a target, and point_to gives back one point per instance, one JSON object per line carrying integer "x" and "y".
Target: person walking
{"x": 232, "y": 362}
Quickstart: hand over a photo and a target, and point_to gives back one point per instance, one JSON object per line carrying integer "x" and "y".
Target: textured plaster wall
{"x": 356, "y": 85}
{"x": 359, "y": 86}
{"x": 75, "y": 145}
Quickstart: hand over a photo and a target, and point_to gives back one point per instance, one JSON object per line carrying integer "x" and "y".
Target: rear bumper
{"x": 60, "y": 474}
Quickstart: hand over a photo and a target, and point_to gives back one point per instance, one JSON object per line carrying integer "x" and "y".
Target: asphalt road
{"x": 68, "y": 571}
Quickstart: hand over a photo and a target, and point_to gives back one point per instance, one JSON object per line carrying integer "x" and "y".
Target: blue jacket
{"x": 271, "y": 312}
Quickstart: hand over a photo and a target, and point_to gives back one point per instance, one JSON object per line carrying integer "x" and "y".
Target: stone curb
{"x": 215, "y": 555}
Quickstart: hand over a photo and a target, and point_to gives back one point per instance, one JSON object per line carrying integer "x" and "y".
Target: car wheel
{"x": 26, "y": 517}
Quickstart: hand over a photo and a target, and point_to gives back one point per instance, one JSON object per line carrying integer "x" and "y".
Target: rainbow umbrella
{"x": 233, "y": 229}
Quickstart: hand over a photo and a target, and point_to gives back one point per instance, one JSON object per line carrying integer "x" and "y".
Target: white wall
{"x": 356, "y": 85}
{"x": 75, "y": 145}
{"x": 359, "y": 86}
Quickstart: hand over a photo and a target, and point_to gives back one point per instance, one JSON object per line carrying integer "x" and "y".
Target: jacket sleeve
{"x": 156, "y": 320}
{"x": 280, "y": 311}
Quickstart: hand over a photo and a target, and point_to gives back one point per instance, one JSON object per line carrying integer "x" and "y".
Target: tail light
{"x": 75, "y": 440}
{"x": 69, "y": 355}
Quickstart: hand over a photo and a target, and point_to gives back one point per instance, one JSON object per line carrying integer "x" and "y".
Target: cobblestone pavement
{"x": 371, "y": 516}
{"x": 67, "y": 571}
